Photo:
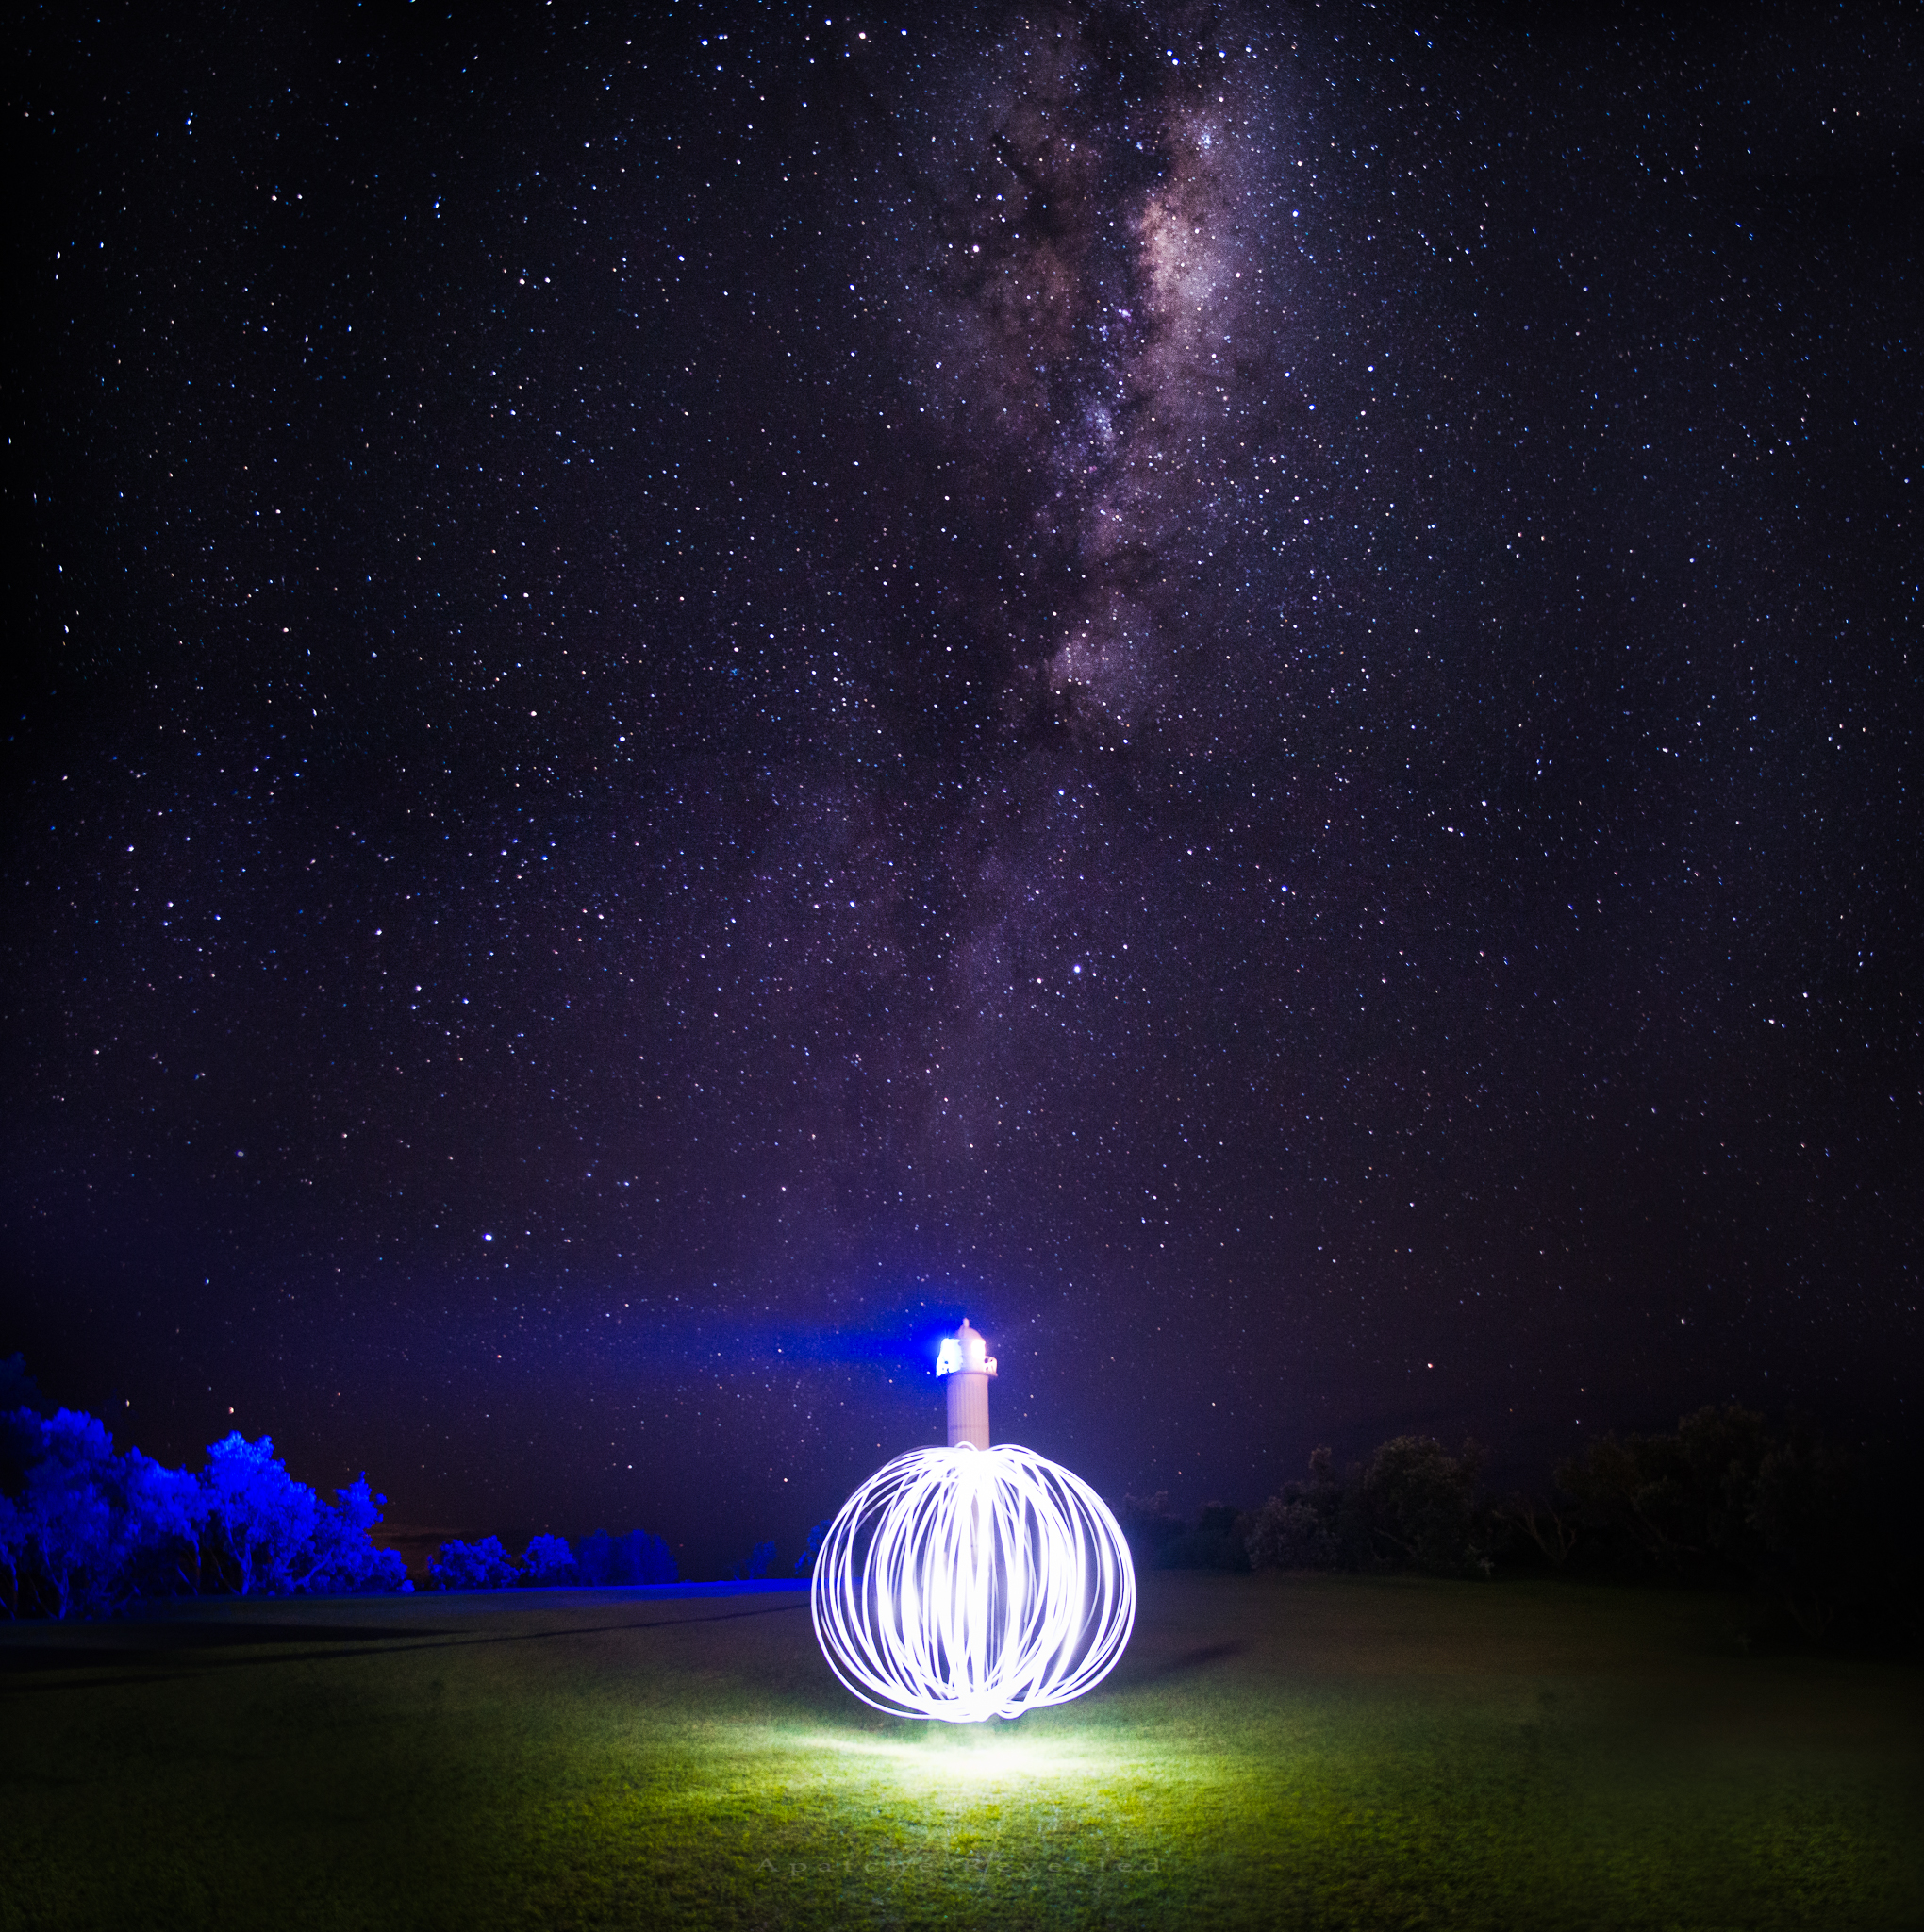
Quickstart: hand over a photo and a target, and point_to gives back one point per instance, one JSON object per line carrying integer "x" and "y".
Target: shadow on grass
{"x": 1183, "y": 1666}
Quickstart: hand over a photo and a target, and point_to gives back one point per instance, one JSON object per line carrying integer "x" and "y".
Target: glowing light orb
{"x": 964, "y": 1584}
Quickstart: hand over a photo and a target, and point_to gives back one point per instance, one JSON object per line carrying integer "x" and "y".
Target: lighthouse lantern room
{"x": 966, "y": 1361}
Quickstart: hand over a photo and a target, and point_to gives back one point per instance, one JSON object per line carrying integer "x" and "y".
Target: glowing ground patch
{"x": 964, "y": 1584}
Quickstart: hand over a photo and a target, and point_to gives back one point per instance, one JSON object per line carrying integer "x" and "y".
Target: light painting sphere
{"x": 964, "y": 1584}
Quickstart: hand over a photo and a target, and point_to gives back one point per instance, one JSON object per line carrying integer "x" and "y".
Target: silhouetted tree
{"x": 595, "y": 1558}
{"x": 1419, "y": 1503}
{"x": 1300, "y": 1529}
{"x": 756, "y": 1564}
{"x": 650, "y": 1559}
{"x": 1819, "y": 1543}
{"x": 1805, "y": 1522}
{"x": 1411, "y": 1506}
{"x": 1682, "y": 1502}
{"x": 636, "y": 1557}
{"x": 21, "y": 1409}
{"x": 805, "y": 1563}
{"x": 17, "y": 1389}
{"x": 1554, "y": 1534}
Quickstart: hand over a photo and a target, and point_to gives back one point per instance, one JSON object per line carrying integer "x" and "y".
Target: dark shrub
{"x": 1148, "y": 1526}
{"x": 1218, "y": 1540}
{"x": 636, "y": 1557}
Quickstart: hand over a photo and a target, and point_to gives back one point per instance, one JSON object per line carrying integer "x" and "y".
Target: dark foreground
{"x": 1296, "y": 1752}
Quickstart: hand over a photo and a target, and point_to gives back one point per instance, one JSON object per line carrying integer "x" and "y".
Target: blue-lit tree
{"x": 345, "y": 1557}
{"x": 261, "y": 1520}
{"x": 548, "y": 1560}
{"x": 13, "y": 1550}
{"x": 269, "y": 1533}
{"x": 485, "y": 1565}
{"x": 90, "y": 1526}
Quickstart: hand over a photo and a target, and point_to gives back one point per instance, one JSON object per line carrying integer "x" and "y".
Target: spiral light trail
{"x": 964, "y": 1584}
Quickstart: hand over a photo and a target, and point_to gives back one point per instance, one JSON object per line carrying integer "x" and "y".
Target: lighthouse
{"x": 966, "y": 1362}
{"x": 971, "y": 1582}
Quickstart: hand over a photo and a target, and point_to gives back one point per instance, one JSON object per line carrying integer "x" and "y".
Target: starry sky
{"x": 1236, "y": 688}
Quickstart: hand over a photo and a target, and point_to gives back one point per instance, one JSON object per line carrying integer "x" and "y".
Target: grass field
{"x": 1290, "y": 1751}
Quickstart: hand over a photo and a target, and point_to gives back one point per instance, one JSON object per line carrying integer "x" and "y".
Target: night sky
{"x": 1236, "y": 689}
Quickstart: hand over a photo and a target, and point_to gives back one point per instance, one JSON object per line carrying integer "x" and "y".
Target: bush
{"x": 1218, "y": 1540}
{"x": 1148, "y": 1526}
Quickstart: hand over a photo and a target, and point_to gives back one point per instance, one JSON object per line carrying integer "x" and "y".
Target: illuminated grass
{"x": 1313, "y": 1752}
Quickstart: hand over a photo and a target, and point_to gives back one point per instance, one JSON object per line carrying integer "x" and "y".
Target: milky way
{"x": 1229, "y": 687}
{"x": 1098, "y": 238}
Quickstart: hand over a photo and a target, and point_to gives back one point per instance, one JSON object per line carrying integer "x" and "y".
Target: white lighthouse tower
{"x": 966, "y": 1362}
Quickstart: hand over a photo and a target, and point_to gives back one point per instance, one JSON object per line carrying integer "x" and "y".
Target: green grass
{"x": 1293, "y": 1752}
